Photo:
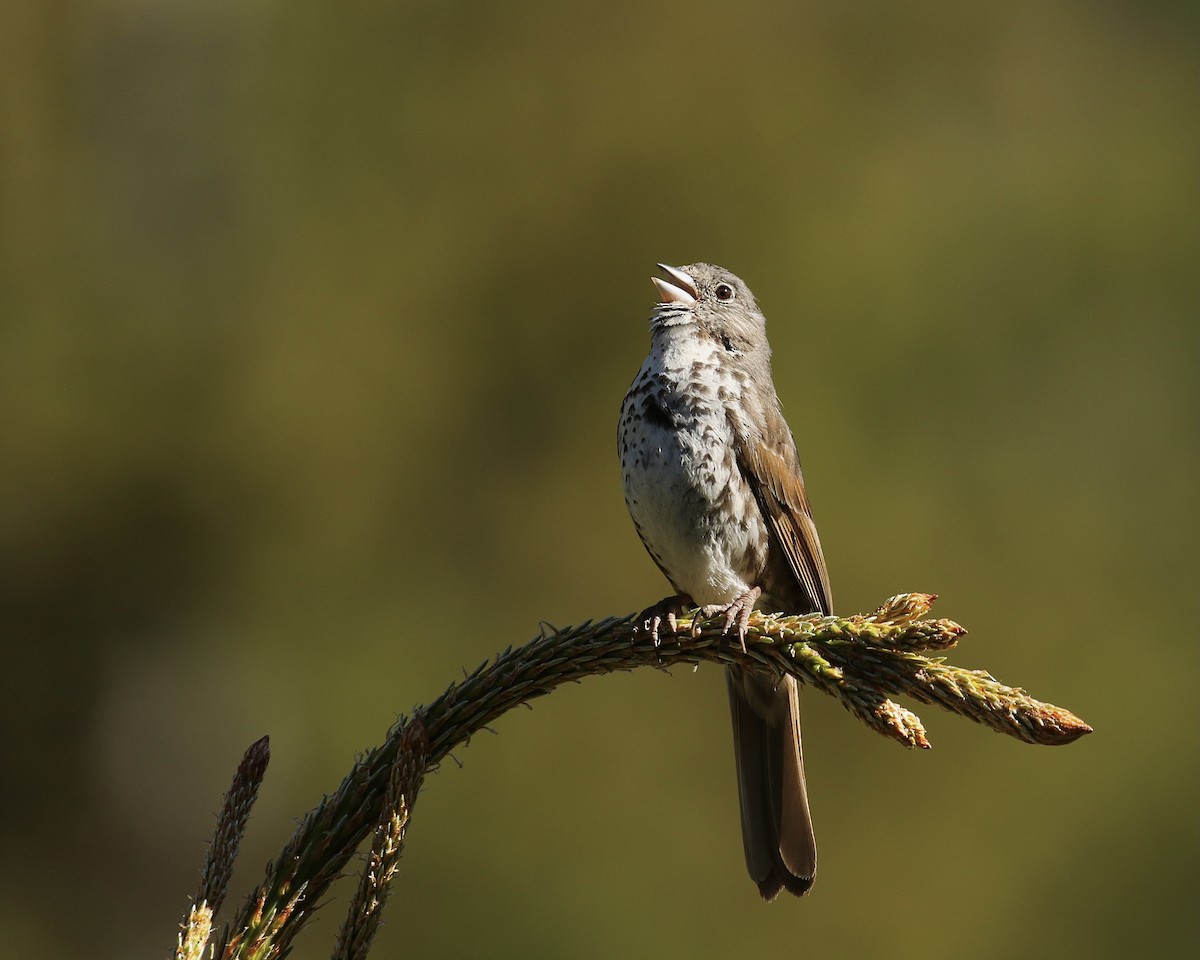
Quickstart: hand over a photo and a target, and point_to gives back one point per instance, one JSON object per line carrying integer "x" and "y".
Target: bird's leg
{"x": 736, "y": 611}
{"x": 668, "y": 609}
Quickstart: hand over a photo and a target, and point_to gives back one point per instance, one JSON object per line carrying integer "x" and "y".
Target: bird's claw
{"x": 651, "y": 619}
{"x": 736, "y": 611}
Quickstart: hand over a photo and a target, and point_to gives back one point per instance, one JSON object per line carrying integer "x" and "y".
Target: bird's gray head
{"x": 710, "y": 301}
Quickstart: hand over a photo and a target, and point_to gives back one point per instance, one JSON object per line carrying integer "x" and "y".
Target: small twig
{"x": 231, "y": 823}
{"x": 363, "y": 916}
{"x": 196, "y": 926}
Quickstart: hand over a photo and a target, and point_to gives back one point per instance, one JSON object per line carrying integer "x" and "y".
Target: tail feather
{"x": 777, "y": 831}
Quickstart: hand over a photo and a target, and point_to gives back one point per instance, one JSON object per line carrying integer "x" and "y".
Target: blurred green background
{"x": 314, "y": 325}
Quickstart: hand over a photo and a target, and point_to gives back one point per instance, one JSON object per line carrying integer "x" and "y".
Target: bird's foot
{"x": 736, "y": 611}
{"x": 668, "y": 609}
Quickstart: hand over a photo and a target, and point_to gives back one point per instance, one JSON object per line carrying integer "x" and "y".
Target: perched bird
{"x": 713, "y": 484}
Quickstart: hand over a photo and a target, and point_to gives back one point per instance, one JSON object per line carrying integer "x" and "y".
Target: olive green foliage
{"x": 315, "y": 320}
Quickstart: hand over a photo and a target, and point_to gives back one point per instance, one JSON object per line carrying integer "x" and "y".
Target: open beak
{"x": 679, "y": 289}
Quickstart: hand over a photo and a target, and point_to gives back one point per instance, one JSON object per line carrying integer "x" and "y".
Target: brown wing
{"x": 773, "y": 472}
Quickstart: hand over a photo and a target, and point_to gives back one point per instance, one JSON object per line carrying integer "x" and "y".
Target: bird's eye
{"x": 724, "y": 291}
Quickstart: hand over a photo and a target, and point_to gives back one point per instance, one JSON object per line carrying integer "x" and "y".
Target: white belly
{"x": 692, "y": 508}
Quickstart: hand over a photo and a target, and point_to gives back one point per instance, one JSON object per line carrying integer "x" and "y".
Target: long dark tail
{"x": 781, "y": 852}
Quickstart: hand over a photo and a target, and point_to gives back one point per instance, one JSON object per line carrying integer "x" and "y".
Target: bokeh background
{"x": 314, "y": 325}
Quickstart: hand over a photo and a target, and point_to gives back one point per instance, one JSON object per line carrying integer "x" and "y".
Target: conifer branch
{"x": 861, "y": 660}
